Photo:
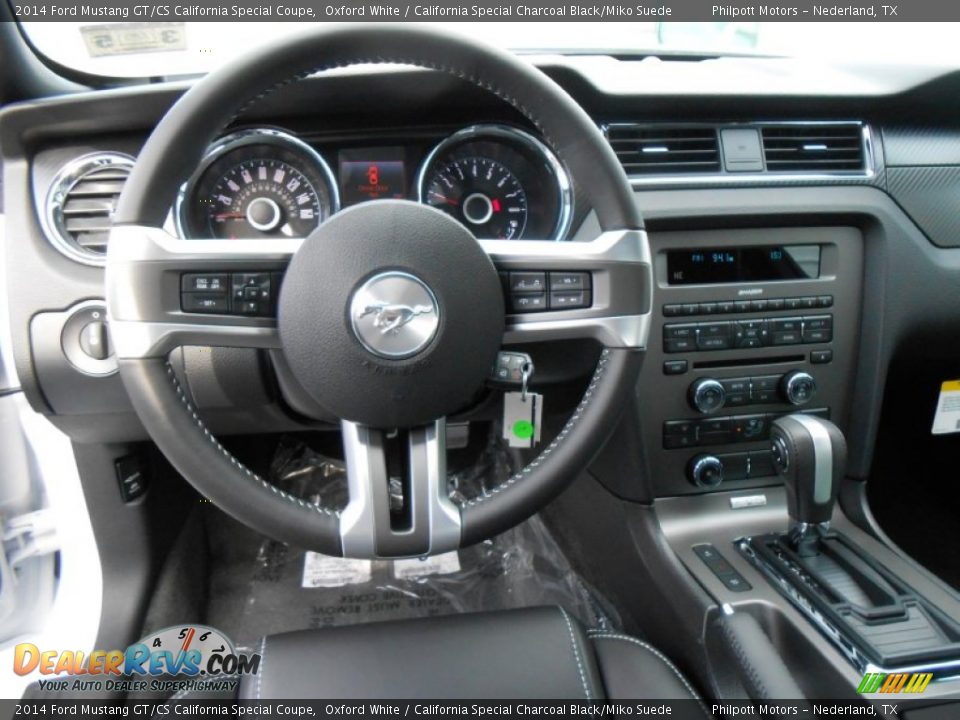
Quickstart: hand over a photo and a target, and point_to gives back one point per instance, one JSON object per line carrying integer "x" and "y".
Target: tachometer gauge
{"x": 500, "y": 182}
{"x": 258, "y": 184}
{"x": 483, "y": 194}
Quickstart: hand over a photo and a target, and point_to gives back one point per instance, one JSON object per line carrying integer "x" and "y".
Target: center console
{"x": 750, "y": 325}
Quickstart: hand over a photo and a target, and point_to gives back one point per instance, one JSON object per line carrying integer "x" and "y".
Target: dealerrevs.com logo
{"x": 178, "y": 658}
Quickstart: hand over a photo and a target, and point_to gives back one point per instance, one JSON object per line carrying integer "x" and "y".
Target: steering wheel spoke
{"x": 608, "y": 302}
{"x": 399, "y": 505}
{"x": 165, "y": 292}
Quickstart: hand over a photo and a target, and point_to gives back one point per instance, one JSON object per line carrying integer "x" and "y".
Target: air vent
{"x": 664, "y": 149}
{"x": 80, "y": 202}
{"x": 828, "y": 148}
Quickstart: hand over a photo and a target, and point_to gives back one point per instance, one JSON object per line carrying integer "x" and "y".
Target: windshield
{"x": 130, "y": 49}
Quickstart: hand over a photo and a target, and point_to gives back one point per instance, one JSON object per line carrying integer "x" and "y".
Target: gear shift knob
{"x": 810, "y": 454}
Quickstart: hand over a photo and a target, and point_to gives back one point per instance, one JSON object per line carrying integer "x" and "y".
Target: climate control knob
{"x": 707, "y": 396}
{"x": 798, "y": 387}
{"x": 705, "y": 471}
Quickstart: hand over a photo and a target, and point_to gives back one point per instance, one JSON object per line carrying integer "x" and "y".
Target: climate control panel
{"x": 709, "y": 395}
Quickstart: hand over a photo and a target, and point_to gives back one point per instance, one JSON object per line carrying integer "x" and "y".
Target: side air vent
{"x": 811, "y": 147}
{"x": 80, "y": 202}
{"x": 664, "y": 149}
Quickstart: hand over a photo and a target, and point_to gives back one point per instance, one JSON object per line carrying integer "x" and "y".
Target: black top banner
{"x": 486, "y": 10}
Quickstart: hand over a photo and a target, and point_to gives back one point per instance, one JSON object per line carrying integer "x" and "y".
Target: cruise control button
{"x": 528, "y": 282}
{"x": 204, "y": 303}
{"x": 204, "y": 282}
{"x": 569, "y": 281}
{"x": 529, "y": 303}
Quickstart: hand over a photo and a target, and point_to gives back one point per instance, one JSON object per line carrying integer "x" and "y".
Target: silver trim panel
{"x": 365, "y": 530}
{"x": 823, "y": 457}
{"x": 474, "y": 132}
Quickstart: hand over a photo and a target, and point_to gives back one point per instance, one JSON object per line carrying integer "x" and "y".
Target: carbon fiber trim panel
{"x": 931, "y": 197}
{"x": 912, "y": 146}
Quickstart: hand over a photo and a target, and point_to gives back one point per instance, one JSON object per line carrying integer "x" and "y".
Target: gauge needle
{"x": 224, "y": 216}
{"x": 445, "y": 199}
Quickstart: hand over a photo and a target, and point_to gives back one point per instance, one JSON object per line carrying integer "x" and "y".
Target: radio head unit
{"x": 755, "y": 263}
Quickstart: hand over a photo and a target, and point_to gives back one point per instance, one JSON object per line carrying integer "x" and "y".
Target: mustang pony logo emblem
{"x": 390, "y": 317}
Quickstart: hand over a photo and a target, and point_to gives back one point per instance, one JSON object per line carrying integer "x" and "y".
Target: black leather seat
{"x": 517, "y": 654}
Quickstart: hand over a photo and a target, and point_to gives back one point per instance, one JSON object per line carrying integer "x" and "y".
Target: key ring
{"x": 525, "y": 372}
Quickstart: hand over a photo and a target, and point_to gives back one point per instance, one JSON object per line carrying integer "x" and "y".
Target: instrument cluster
{"x": 499, "y": 181}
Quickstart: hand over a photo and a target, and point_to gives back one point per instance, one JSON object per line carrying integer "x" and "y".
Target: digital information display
{"x": 371, "y": 174}
{"x": 706, "y": 266}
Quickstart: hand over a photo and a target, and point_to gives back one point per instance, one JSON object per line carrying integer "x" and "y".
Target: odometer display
{"x": 483, "y": 194}
{"x": 259, "y": 186}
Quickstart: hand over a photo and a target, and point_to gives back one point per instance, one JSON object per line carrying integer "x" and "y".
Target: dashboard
{"x": 766, "y": 271}
{"x": 499, "y": 181}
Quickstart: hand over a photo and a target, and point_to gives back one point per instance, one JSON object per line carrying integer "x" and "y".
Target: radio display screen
{"x": 707, "y": 266}
{"x": 371, "y": 174}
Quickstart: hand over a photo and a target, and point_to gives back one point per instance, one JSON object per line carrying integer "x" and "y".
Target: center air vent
{"x": 664, "y": 149}
{"x": 814, "y": 148}
{"x": 80, "y": 202}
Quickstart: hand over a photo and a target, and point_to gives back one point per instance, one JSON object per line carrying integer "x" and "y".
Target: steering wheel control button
{"x": 528, "y": 303}
{"x": 569, "y": 300}
{"x": 391, "y": 314}
{"x": 394, "y": 315}
{"x": 85, "y": 339}
{"x": 570, "y": 281}
{"x": 205, "y": 283}
{"x": 95, "y": 341}
{"x": 528, "y": 282}
{"x": 707, "y": 396}
{"x": 205, "y": 303}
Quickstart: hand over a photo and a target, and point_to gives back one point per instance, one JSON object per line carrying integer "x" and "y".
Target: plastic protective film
{"x": 291, "y": 589}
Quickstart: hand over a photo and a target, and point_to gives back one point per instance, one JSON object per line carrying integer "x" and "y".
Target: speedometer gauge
{"x": 500, "y": 182}
{"x": 258, "y": 184}
{"x": 483, "y": 194}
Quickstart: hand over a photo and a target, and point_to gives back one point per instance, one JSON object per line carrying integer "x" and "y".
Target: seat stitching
{"x": 571, "y": 423}
{"x": 180, "y": 694}
{"x": 233, "y": 460}
{"x": 263, "y": 665}
{"x": 663, "y": 658}
{"x": 576, "y": 655}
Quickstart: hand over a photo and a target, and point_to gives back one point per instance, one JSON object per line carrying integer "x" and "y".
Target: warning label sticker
{"x": 947, "y": 418}
{"x": 326, "y": 571}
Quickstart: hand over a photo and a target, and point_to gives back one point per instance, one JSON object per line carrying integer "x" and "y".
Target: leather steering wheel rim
{"x": 176, "y": 147}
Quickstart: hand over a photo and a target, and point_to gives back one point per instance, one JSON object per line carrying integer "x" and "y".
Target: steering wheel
{"x": 373, "y": 255}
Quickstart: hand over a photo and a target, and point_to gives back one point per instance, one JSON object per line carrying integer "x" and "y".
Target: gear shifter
{"x": 810, "y": 454}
